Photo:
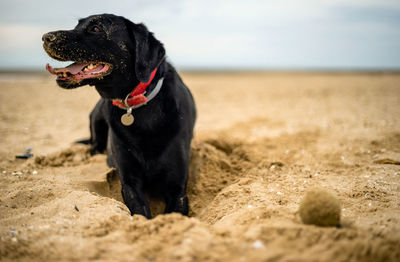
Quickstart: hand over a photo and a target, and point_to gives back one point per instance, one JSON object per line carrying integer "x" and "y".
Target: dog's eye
{"x": 95, "y": 29}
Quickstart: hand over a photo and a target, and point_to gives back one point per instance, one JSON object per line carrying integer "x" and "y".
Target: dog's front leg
{"x": 177, "y": 203}
{"x": 135, "y": 200}
{"x": 131, "y": 177}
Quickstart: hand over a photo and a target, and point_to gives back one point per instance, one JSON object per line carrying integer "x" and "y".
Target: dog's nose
{"x": 49, "y": 37}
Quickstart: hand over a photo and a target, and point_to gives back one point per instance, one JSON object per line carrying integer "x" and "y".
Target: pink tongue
{"x": 73, "y": 68}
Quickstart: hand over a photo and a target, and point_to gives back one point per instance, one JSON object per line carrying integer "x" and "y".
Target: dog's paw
{"x": 94, "y": 150}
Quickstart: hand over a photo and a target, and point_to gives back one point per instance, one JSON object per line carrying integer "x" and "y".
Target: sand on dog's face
{"x": 261, "y": 141}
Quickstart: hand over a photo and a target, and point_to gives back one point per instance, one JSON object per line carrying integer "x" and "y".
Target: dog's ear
{"x": 149, "y": 52}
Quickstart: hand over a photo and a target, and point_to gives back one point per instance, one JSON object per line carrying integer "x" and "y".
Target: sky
{"x": 224, "y": 34}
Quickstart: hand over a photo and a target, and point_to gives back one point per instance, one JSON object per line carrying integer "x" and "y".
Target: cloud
{"x": 219, "y": 33}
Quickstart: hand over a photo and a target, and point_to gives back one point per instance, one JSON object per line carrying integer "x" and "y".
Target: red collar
{"x": 136, "y": 97}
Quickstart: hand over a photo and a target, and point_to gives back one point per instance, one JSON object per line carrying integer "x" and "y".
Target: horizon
{"x": 37, "y": 70}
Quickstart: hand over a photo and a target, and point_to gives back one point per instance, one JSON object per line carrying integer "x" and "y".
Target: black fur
{"x": 153, "y": 153}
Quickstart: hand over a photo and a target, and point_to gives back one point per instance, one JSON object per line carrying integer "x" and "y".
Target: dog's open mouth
{"x": 79, "y": 71}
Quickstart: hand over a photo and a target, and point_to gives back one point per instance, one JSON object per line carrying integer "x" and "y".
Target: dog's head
{"x": 107, "y": 51}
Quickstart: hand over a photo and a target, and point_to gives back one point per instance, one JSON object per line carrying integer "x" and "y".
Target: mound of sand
{"x": 261, "y": 141}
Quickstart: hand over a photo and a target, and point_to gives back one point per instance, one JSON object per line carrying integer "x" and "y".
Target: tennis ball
{"x": 321, "y": 208}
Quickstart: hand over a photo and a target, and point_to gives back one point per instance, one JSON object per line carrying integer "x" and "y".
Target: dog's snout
{"x": 49, "y": 37}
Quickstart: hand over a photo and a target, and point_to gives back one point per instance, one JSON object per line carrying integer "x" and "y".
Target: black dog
{"x": 146, "y": 114}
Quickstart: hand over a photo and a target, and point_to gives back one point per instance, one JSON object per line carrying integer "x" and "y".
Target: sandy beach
{"x": 262, "y": 140}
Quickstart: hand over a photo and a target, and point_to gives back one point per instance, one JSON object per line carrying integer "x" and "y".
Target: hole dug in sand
{"x": 211, "y": 170}
{"x": 215, "y": 164}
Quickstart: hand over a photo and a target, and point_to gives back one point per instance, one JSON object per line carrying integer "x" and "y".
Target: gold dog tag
{"x": 127, "y": 119}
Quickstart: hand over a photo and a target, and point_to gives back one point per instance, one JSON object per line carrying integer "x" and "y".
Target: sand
{"x": 261, "y": 141}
